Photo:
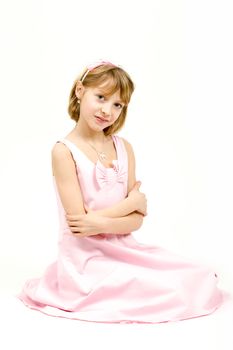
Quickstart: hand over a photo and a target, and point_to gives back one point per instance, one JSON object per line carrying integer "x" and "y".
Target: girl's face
{"x": 99, "y": 110}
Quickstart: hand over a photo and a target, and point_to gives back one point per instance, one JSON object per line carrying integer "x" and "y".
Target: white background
{"x": 179, "y": 54}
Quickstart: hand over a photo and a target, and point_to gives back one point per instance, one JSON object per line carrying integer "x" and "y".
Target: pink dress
{"x": 114, "y": 278}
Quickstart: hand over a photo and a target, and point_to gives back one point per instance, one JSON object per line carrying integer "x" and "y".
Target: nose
{"x": 106, "y": 109}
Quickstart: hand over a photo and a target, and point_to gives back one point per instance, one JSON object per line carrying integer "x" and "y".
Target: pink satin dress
{"x": 112, "y": 277}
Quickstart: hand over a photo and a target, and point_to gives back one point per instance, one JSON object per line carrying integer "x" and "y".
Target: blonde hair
{"x": 113, "y": 79}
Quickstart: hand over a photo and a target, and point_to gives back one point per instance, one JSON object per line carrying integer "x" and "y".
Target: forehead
{"x": 111, "y": 82}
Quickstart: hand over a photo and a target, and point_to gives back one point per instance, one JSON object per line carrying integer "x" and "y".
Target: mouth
{"x": 101, "y": 119}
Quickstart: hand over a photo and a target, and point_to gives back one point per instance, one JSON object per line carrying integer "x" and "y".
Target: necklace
{"x": 101, "y": 155}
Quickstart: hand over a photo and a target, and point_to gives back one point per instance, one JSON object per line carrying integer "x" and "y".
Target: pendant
{"x": 102, "y": 156}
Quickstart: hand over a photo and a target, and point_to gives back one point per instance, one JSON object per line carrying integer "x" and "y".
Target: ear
{"x": 79, "y": 90}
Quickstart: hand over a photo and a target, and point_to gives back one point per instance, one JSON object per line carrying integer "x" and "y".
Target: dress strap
{"x": 121, "y": 150}
{"x": 69, "y": 146}
{"x": 76, "y": 153}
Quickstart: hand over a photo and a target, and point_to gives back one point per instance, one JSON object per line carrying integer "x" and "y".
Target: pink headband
{"x": 95, "y": 65}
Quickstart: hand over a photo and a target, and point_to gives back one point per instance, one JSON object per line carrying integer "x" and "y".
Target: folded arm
{"x": 91, "y": 224}
{"x": 123, "y": 217}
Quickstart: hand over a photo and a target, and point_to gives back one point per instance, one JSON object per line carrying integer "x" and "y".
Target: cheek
{"x": 115, "y": 116}
{"x": 89, "y": 107}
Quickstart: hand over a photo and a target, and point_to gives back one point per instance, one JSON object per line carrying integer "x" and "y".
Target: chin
{"x": 96, "y": 128}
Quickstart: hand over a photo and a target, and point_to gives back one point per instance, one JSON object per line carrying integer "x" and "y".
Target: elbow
{"x": 138, "y": 221}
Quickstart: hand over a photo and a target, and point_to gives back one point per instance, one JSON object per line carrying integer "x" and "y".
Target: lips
{"x": 101, "y": 119}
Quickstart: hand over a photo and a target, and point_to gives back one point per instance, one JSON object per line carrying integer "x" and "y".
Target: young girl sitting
{"x": 102, "y": 273}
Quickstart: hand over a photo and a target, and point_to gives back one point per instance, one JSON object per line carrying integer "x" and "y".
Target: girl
{"x": 102, "y": 273}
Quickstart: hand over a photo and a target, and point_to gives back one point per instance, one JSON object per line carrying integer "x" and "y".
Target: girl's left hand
{"x": 88, "y": 224}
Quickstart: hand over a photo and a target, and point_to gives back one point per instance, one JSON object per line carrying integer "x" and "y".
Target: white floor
{"x": 26, "y": 329}
{"x": 23, "y": 328}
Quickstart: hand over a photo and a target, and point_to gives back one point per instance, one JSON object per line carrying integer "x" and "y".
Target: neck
{"x": 89, "y": 135}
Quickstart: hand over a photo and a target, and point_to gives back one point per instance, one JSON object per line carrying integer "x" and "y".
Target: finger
{"x": 76, "y": 229}
{"x": 142, "y": 212}
{"x": 73, "y": 223}
{"x": 74, "y": 217}
{"x": 86, "y": 208}
{"x": 78, "y": 234}
{"x": 137, "y": 185}
{"x": 76, "y": 225}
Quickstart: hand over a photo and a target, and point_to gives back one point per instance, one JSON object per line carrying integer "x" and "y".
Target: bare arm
{"x": 64, "y": 171}
{"x": 123, "y": 225}
{"x": 120, "y": 218}
{"x": 93, "y": 224}
{"x": 135, "y": 201}
{"x": 126, "y": 216}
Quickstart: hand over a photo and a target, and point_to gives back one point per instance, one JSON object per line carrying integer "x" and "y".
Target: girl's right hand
{"x": 139, "y": 199}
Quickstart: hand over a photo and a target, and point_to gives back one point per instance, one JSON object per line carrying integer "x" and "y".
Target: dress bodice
{"x": 101, "y": 186}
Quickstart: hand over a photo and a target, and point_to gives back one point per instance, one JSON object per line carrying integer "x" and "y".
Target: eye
{"x": 118, "y": 105}
{"x": 100, "y": 97}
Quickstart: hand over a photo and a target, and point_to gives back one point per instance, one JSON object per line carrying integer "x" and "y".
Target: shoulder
{"x": 62, "y": 159}
{"x": 128, "y": 146}
{"x": 60, "y": 151}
